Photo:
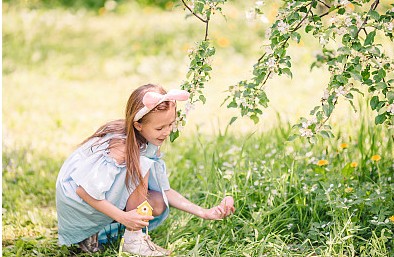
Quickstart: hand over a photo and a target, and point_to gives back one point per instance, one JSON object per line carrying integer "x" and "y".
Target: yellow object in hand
{"x": 145, "y": 209}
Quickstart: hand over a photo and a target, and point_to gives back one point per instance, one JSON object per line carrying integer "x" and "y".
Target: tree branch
{"x": 192, "y": 12}
{"x": 373, "y": 7}
{"x": 206, "y": 30}
{"x": 303, "y": 19}
{"x": 323, "y": 3}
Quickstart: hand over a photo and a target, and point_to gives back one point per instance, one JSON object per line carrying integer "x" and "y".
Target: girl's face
{"x": 157, "y": 126}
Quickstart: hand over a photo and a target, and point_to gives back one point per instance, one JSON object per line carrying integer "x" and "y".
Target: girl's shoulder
{"x": 117, "y": 150}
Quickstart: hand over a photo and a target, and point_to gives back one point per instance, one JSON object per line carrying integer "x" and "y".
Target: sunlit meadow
{"x": 65, "y": 72}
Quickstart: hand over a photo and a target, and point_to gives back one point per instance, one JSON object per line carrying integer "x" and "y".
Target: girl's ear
{"x": 137, "y": 125}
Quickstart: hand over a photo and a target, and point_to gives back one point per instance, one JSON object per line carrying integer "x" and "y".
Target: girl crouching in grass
{"x": 118, "y": 168}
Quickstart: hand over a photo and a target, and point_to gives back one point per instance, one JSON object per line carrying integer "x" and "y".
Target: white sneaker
{"x": 143, "y": 246}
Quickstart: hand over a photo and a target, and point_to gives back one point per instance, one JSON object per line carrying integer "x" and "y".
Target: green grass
{"x": 286, "y": 204}
{"x": 67, "y": 72}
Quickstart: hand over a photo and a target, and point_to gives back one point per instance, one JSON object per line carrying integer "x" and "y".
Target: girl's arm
{"x": 225, "y": 208}
{"x": 132, "y": 220}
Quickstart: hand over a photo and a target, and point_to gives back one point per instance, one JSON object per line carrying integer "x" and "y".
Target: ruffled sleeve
{"x": 96, "y": 172}
{"x": 158, "y": 179}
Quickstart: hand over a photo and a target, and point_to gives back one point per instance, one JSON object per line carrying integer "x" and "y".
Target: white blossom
{"x": 263, "y": 18}
{"x": 344, "y": 2}
{"x": 189, "y": 107}
{"x": 250, "y": 15}
{"x": 110, "y": 5}
{"x": 390, "y": 109}
{"x": 359, "y": 21}
{"x": 269, "y": 50}
{"x": 271, "y": 62}
{"x": 283, "y": 27}
{"x": 340, "y": 31}
{"x": 259, "y": 3}
{"x": 305, "y": 132}
{"x": 389, "y": 26}
{"x": 323, "y": 41}
{"x": 341, "y": 91}
{"x": 325, "y": 95}
{"x": 348, "y": 21}
{"x": 268, "y": 33}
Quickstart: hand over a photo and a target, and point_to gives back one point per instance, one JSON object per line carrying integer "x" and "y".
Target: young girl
{"x": 119, "y": 167}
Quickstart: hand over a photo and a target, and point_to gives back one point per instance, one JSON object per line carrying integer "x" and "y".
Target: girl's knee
{"x": 157, "y": 202}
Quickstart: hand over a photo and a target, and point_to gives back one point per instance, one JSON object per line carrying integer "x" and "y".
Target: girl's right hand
{"x": 134, "y": 221}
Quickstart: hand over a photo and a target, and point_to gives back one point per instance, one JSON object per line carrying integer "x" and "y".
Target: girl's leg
{"x": 141, "y": 194}
{"x": 155, "y": 199}
{"x": 136, "y": 242}
{"x": 138, "y": 195}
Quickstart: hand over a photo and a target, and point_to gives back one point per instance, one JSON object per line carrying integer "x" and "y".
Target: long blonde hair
{"x": 134, "y": 140}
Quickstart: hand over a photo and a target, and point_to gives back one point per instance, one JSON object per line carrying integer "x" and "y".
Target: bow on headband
{"x": 153, "y": 99}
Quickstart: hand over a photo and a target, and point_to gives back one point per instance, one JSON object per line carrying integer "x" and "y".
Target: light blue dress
{"x": 92, "y": 168}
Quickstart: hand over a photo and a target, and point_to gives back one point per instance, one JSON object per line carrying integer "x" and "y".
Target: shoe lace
{"x": 149, "y": 242}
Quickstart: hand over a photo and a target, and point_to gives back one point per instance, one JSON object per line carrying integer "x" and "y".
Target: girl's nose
{"x": 167, "y": 131}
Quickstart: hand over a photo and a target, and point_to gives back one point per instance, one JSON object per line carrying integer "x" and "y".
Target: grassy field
{"x": 67, "y": 72}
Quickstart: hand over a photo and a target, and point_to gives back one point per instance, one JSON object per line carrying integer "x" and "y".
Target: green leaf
{"x": 233, "y": 119}
{"x": 380, "y": 118}
{"x": 346, "y": 38}
{"x": 292, "y": 137}
{"x": 326, "y": 134}
{"x": 254, "y": 118}
{"x": 314, "y": 110}
{"x": 287, "y": 71}
{"x": 328, "y": 108}
{"x": 341, "y": 11}
{"x": 356, "y": 75}
{"x": 374, "y": 102}
{"x": 374, "y": 14}
{"x": 349, "y": 96}
{"x": 202, "y": 99}
{"x": 308, "y": 28}
{"x": 296, "y": 36}
{"x": 381, "y": 85}
{"x": 304, "y": 9}
{"x": 370, "y": 38}
{"x": 357, "y": 90}
{"x": 390, "y": 97}
{"x": 233, "y": 104}
{"x": 174, "y": 135}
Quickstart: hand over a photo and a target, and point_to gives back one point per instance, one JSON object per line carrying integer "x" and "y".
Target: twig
{"x": 303, "y": 19}
{"x": 323, "y": 3}
{"x": 365, "y": 31}
{"x": 206, "y": 30}
{"x": 373, "y": 7}
{"x": 201, "y": 19}
{"x": 261, "y": 58}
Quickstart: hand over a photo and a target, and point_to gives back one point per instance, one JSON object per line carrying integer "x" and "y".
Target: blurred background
{"x": 70, "y": 66}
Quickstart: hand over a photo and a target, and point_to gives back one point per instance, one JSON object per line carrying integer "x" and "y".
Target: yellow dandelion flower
{"x": 223, "y": 42}
{"x": 343, "y": 146}
{"x": 350, "y": 6}
{"x": 392, "y": 218}
{"x": 376, "y": 158}
{"x": 349, "y": 189}
{"x": 102, "y": 11}
{"x": 353, "y": 164}
{"x": 322, "y": 163}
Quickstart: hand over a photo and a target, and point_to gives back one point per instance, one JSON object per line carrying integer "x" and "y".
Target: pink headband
{"x": 153, "y": 99}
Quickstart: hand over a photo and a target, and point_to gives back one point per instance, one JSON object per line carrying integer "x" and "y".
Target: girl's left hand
{"x": 224, "y": 209}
